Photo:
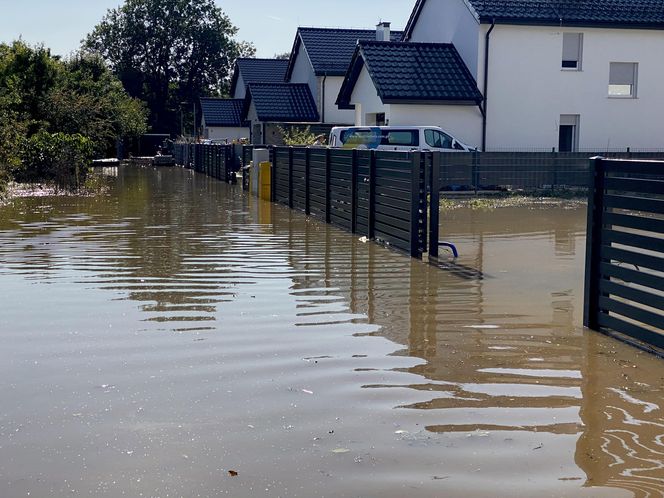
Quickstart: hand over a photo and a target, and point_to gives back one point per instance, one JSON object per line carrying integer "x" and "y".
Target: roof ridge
{"x": 366, "y": 30}
{"x": 260, "y": 59}
{"x": 403, "y": 43}
{"x": 277, "y": 84}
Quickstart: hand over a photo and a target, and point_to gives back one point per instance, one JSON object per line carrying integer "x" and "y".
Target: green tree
{"x": 27, "y": 75}
{"x": 88, "y": 99}
{"x": 167, "y": 52}
{"x": 54, "y": 114}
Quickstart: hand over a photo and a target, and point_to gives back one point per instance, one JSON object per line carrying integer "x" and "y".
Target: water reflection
{"x": 487, "y": 383}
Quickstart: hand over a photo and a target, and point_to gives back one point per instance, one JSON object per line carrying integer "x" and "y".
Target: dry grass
{"x": 568, "y": 199}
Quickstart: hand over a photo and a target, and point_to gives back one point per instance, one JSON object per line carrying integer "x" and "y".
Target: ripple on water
{"x": 231, "y": 335}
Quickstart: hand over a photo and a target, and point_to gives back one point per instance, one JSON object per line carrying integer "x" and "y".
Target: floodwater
{"x": 158, "y": 340}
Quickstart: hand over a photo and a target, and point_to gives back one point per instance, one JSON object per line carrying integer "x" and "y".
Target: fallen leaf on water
{"x": 232, "y": 473}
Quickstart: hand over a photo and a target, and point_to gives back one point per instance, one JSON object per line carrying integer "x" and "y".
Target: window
{"x": 437, "y": 139}
{"x": 622, "y": 79}
{"x": 400, "y": 137}
{"x": 572, "y": 50}
{"x": 568, "y": 133}
{"x": 371, "y": 138}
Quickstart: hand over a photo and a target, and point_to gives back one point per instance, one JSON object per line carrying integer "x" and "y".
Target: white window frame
{"x": 573, "y": 120}
{"x": 579, "y": 55}
{"x": 633, "y": 86}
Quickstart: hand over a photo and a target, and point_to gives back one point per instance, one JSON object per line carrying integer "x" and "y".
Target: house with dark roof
{"x": 398, "y": 83}
{"x": 557, "y": 74}
{"x": 267, "y": 106}
{"x": 247, "y": 71}
{"x": 320, "y": 58}
{"x": 223, "y": 119}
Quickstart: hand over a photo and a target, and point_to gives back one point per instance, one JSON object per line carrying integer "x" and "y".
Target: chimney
{"x": 383, "y": 31}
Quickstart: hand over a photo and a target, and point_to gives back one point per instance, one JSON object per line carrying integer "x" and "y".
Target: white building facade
{"x": 561, "y": 80}
{"x": 320, "y": 57}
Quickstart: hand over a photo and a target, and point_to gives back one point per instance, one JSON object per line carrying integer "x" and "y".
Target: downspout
{"x": 322, "y": 106}
{"x": 486, "y": 81}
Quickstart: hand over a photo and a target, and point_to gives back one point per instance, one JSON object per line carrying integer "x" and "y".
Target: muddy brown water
{"x": 155, "y": 339}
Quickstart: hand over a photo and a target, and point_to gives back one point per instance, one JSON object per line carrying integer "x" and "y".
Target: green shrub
{"x": 55, "y": 158}
{"x": 298, "y": 136}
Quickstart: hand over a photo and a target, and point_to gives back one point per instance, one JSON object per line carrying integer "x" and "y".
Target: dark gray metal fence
{"x": 521, "y": 170}
{"x": 624, "y": 290}
{"x": 381, "y": 195}
{"x": 217, "y": 161}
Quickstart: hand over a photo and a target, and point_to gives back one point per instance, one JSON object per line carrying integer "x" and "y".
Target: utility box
{"x": 259, "y": 156}
{"x": 265, "y": 181}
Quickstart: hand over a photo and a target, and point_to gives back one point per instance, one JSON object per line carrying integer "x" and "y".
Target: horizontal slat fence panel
{"x": 376, "y": 194}
{"x": 280, "y": 176}
{"x": 625, "y": 257}
{"x": 340, "y": 178}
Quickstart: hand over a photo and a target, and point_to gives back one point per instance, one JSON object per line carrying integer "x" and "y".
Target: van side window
{"x": 446, "y": 141}
{"x": 432, "y": 138}
{"x": 435, "y": 138}
{"x": 406, "y": 138}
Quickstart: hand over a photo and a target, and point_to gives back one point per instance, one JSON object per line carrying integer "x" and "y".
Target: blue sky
{"x": 269, "y": 24}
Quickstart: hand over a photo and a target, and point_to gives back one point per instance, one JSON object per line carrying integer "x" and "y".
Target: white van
{"x": 397, "y": 138}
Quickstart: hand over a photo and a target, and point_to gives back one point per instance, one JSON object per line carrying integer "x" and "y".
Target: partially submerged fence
{"x": 381, "y": 195}
{"x": 624, "y": 290}
{"x": 520, "y": 170}
{"x": 217, "y": 161}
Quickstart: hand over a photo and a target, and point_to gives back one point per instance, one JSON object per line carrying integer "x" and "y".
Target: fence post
{"x": 593, "y": 243}
{"x": 476, "y": 170}
{"x": 290, "y": 177}
{"x": 434, "y": 205}
{"x": 307, "y": 181}
{"x": 328, "y": 200}
{"x": 415, "y": 169}
{"x": 423, "y": 208}
{"x": 353, "y": 193}
{"x": 371, "y": 215}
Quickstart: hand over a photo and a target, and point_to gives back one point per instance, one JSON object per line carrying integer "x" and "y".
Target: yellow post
{"x": 265, "y": 181}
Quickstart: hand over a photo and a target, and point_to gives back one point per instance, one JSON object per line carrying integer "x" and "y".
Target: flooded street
{"x": 160, "y": 339}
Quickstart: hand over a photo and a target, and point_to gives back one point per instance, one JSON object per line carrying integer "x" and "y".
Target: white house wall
{"x": 462, "y": 122}
{"x": 333, "y": 114}
{"x": 366, "y": 99}
{"x": 528, "y": 90}
{"x": 226, "y": 133}
{"x": 303, "y": 72}
{"x": 240, "y": 90}
{"x": 450, "y": 21}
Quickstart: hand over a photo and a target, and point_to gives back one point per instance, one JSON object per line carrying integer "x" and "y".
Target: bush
{"x": 56, "y": 158}
{"x": 299, "y": 136}
{"x": 4, "y": 180}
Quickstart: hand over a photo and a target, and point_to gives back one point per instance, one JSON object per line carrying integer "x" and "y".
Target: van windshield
{"x": 371, "y": 138}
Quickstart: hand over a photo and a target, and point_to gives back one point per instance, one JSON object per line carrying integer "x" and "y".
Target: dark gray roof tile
{"x": 330, "y": 50}
{"x": 412, "y": 72}
{"x": 223, "y": 112}
{"x": 259, "y": 71}
{"x": 282, "y": 102}
{"x": 610, "y": 13}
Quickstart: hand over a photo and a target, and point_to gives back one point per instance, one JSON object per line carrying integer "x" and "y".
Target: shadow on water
{"x": 157, "y": 337}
